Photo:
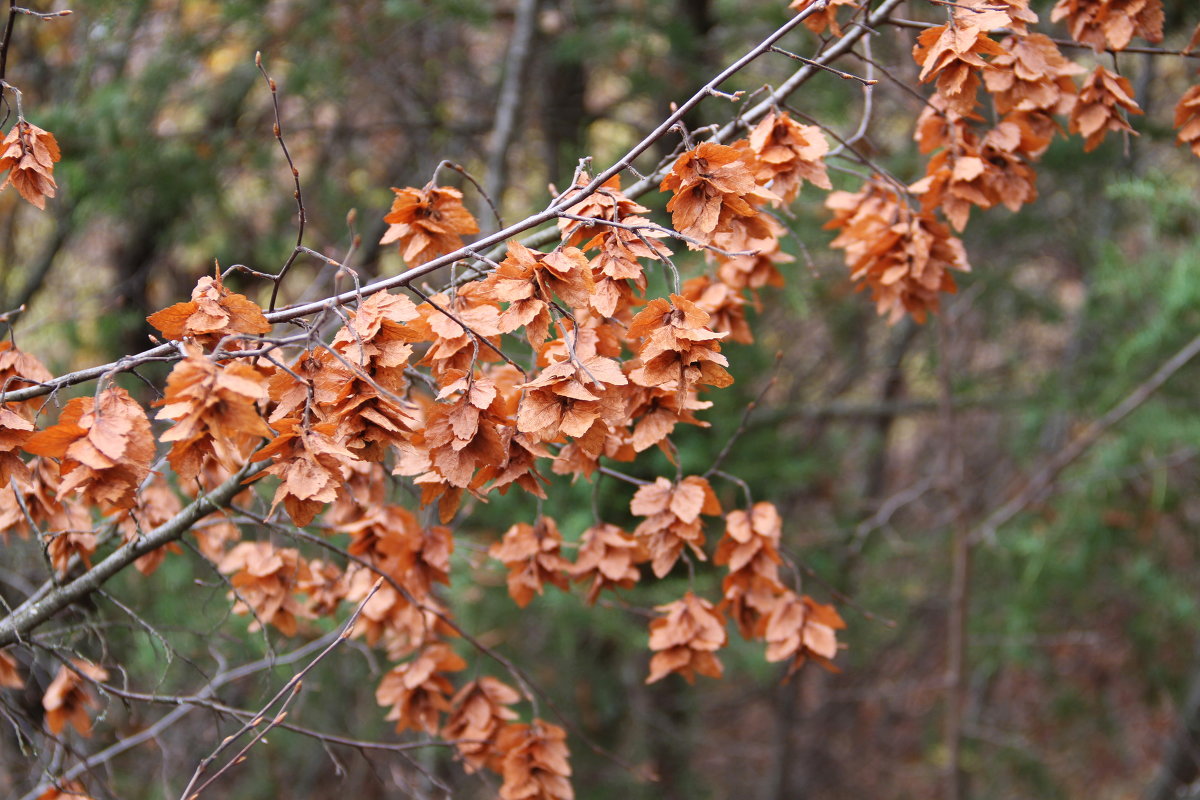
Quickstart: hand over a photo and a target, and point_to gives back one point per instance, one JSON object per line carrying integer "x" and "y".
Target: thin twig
{"x": 1042, "y": 480}
{"x": 287, "y": 693}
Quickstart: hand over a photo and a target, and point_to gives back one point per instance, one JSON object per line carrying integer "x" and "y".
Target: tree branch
{"x": 31, "y": 614}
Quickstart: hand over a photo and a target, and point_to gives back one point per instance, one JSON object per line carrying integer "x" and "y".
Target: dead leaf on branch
{"x": 427, "y": 222}
{"x": 799, "y": 629}
{"x": 216, "y": 412}
{"x": 786, "y": 154}
{"x": 311, "y": 466}
{"x": 156, "y": 505}
{"x": 28, "y": 154}
{"x": 712, "y": 185}
{"x": 672, "y": 512}
{"x": 725, "y": 306}
{"x": 266, "y": 579}
{"x": 69, "y": 696}
{"x": 952, "y": 54}
{"x": 531, "y": 554}
{"x": 903, "y": 257}
{"x": 759, "y": 249}
{"x": 104, "y": 446}
{"x": 1111, "y": 24}
{"x": 10, "y": 677}
{"x": 606, "y": 203}
{"x": 819, "y": 21}
{"x": 417, "y": 692}
{"x": 68, "y": 790}
{"x": 678, "y": 349}
{"x": 479, "y": 711}
{"x": 573, "y": 394}
{"x": 1187, "y": 118}
{"x": 213, "y": 313}
{"x": 535, "y": 765}
{"x": 1103, "y": 97}
{"x": 609, "y": 557}
{"x": 388, "y": 618}
{"x": 1032, "y": 75}
{"x": 685, "y": 639}
{"x": 750, "y": 549}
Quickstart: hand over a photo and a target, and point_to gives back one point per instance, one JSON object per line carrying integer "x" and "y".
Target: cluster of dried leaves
{"x": 613, "y": 374}
{"x": 28, "y": 155}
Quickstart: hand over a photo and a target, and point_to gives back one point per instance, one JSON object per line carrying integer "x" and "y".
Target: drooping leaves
{"x": 213, "y": 313}
{"x": 104, "y": 446}
{"x": 427, "y": 222}
{"x": 685, "y": 639}
{"x": 28, "y": 155}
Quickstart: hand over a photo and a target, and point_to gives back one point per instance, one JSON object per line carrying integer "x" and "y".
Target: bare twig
{"x": 287, "y": 693}
{"x": 1045, "y": 477}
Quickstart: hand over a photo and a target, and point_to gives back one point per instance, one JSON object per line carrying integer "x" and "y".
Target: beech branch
{"x": 167, "y": 352}
{"x": 33, "y": 613}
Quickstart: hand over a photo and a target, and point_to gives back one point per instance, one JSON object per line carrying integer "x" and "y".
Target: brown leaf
{"x": 105, "y": 448}
{"x": 28, "y": 154}
{"x": 427, "y": 222}
{"x": 69, "y": 696}
{"x": 685, "y": 638}
{"x": 212, "y": 314}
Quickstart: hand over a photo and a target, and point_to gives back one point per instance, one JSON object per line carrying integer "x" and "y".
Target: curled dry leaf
{"x": 529, "y": 281}
{"x": 416, "y": 691}
{"x": 213, "y": 313}
{"x": 678, "y": 349}
{"x": 311, "y": 466}
{"x": 1187, "y": 118}
{"x": 389, "y": 618}
{"x": 479, "y": 711}
{"x": 800, "y": 628}
{"x": 1101, "y": 100}
{"x": 325, "y": 587}
{"x": 573, "y": 395}
{"x": 606, "y": 203}
{"x": 759, "y": 250}
{"x": 265, "y": 580}
{"x": 904, "y": 258}
{"x": 69, "y": 696}
{"x": 215, "y": 409}
{"x": 156, "y": 505}
{"x": 28, "y": 154}
{"x": 535, "y": 765}
{"x": 685, "y": 638}
{"x": 974, "y": 172}
{"x": 68, "y": 790}
{"x": 750, "y": 549}
{"x": 657, "y": 412}
{"x": 18, "y": 370}
{"x": 38, "y": 504}
{"x": 672, "y": 512}
{"x": 609, "y": 557}
{"x": 712, "y": 185}
{"x": 531, "y": 555}
{"x": 1111, "y": 24}
{"x": 824, "y": 18}
{"x": 952, "y": 54}
{"x": 427, "y": 222}
{"x": 786, "y": 154}
{"x": 10, "y": 677}
{"x": 725, "y": 306}
{"x": 104, "y": 447}
{"x": 1031, "y": 74}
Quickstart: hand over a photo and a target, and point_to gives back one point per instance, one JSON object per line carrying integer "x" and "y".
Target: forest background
{"x": 876, "y": 440}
